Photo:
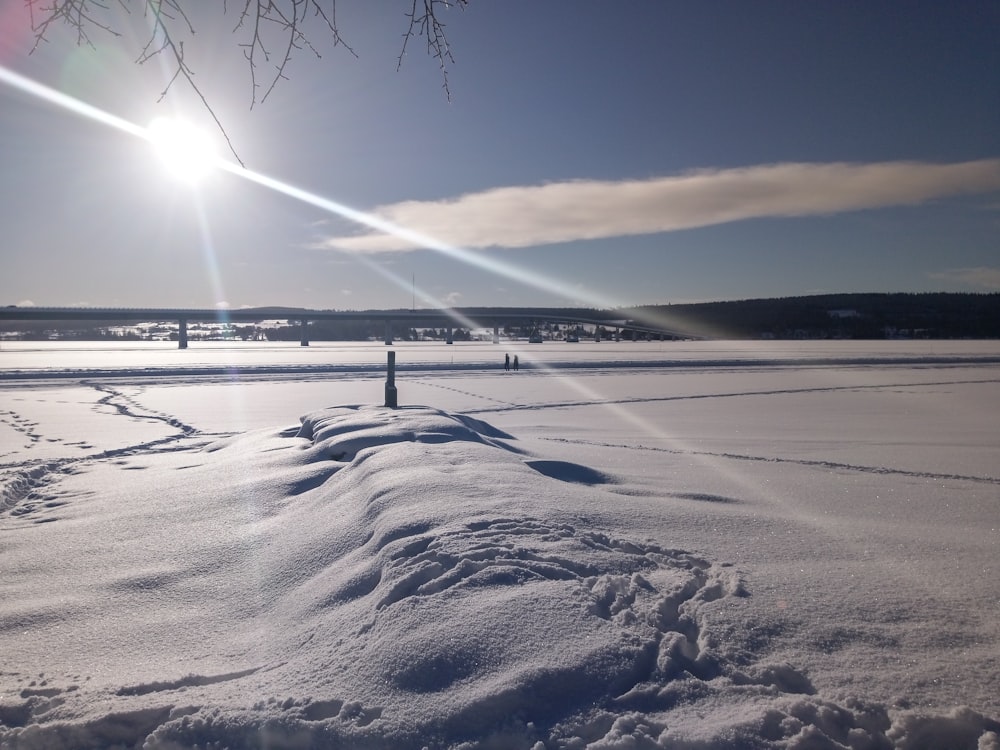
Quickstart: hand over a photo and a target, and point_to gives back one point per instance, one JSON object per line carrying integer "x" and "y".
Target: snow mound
{"x": 398, "y": 579}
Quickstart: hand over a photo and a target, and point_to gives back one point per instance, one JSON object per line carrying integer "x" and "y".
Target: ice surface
{"x": 754, "y": 556}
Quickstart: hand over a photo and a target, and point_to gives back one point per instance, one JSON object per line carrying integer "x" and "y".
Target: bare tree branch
{"x": 290, "y": 20}
{"x": 162, "y": 42}
{"x": 261, "y": 22}
{"x": 424, "y": 21}
{"x": 76, "y": 13}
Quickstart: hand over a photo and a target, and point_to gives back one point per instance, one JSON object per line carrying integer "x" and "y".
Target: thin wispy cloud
{"x": 980, "y": 277}
{"x": 525, "y": 216}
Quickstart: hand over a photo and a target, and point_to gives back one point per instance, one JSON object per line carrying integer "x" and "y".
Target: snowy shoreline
{"x": 29, "y": 361}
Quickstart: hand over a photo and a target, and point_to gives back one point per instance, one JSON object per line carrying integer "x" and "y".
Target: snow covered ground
{"x": 676, "y": 545}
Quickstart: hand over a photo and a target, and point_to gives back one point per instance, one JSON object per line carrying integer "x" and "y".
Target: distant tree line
{"x": 853, "y": 316}
{"x": 826, "y": 316}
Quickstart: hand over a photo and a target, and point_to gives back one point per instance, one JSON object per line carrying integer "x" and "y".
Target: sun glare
{"x": 188, "y": 153}
{"x": 185, "y": 150}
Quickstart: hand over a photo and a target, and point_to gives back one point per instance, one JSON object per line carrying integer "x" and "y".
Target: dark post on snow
{"x": 390, "y": 381}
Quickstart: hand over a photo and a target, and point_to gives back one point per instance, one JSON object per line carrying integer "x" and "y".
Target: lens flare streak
{"x": 372, "y": 221}
{"x": 68, "y": 102}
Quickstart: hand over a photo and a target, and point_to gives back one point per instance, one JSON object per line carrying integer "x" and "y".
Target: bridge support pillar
{"x": 451, "y": 337}
{"x": 496, "y": 334}
{"x": 388, "y": 333}
{"x": 303, "y": 332}
{"x": 182, "y": 334}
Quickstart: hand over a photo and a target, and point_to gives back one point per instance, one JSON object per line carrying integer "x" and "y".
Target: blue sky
{"x": 590, "y": 153}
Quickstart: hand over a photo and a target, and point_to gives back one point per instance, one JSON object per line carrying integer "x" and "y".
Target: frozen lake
{"x": 837, "y": 504}
{"x": 36, "y": 357}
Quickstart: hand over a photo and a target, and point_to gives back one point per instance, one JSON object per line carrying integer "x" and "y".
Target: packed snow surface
{"x": 607, "y": 549}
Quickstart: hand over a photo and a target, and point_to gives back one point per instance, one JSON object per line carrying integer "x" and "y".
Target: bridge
{"x": 448, "y": 318}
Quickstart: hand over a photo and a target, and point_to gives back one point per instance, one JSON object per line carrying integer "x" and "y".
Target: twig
{"x": 289, "y": 19}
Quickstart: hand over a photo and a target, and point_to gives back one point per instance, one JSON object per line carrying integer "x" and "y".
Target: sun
{"x": 186, "y": 151}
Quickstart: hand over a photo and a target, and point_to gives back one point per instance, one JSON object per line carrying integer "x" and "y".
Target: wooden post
{"x": 391, "y": 399}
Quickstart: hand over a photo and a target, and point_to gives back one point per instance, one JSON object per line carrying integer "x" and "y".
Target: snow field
{"x": 763, "y": 557}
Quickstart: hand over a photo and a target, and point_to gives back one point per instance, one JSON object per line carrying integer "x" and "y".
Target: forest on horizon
{"x": 943, "y": 315}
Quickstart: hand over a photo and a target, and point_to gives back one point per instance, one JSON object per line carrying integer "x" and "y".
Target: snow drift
{"x": 384, "y": 578}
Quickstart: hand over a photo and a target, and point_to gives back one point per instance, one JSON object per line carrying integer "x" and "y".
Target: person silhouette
{"x": 506, "y": 361}
{"x": 515, "y": 362}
